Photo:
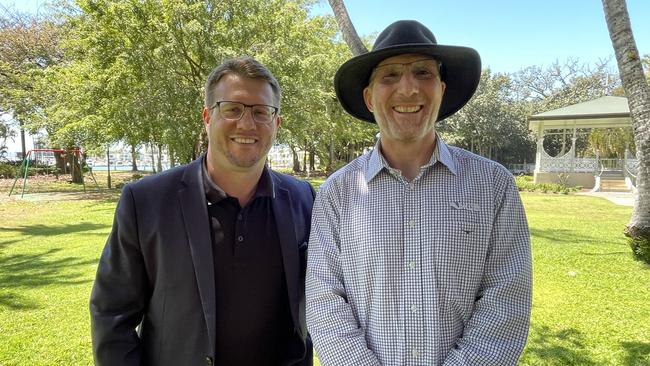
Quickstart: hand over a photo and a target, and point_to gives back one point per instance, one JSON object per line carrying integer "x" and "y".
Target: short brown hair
{"x": 243, "y": 66}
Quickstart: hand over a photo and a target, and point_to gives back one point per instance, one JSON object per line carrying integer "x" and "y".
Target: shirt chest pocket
{"x": 459, "y": 250}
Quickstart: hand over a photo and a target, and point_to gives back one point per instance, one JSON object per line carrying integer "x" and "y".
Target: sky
{"x": 508, "y": 34}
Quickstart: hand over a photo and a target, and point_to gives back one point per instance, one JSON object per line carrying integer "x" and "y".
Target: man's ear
{"x": 278, "y": 122}
{"x": 367, "y": 97}
{"x": 205, "y": 114}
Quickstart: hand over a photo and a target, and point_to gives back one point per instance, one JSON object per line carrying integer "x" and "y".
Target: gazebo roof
{"x": 603, "y": 112}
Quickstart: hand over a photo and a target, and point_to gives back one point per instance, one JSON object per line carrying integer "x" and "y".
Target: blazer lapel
{"x": 286, "y": 232}
{"x": 195, "y": 216}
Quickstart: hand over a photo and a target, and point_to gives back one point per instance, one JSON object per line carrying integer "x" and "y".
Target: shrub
{"x": 524, "y": 183}
{"x": 8, "y": 170}
{"x": 640, "y": 244}
{"x": 134, "y": 177}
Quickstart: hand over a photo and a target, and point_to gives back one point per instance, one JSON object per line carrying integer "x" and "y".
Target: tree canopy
{"x": 94, "y": 72}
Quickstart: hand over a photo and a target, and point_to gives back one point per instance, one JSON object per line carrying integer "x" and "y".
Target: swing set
{"x": 24, "y": 167}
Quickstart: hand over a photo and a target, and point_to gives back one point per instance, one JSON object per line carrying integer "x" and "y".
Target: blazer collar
{"x": 194, "y": 210}
{"x": 286, "y": 225}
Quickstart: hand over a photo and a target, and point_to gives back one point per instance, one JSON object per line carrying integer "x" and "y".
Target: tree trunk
{"x": 296, "y": 160}
{"x": 312, "y": 161}
{"x": 108, "y": 167}
{"x": 201, "y": 145}
{"x": 75, "y": 167}
{"x": 153, "y": 159}
{"x": 23, "y": 146}
{"x": 638, "y": 97}
{"x": 347, "y": 28}
{"x": 134, "y": 158}
{"x": 172, "y": 157}
{"x": 160, "y": 157}
{"x": 60, "y": 164}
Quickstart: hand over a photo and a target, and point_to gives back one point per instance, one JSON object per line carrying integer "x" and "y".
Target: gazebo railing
{"x": 630, "y": 170}
{"x": 612, "y": 165}
{"x": 569, "y": 164}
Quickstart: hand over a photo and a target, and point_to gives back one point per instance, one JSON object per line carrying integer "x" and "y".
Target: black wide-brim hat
{"x": 461, "y": 68}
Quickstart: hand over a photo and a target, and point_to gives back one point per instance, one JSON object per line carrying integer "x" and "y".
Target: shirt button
{"x": 239, "y": 217}
{"x": 208, "y": 361}
{"x": 414, "y": 352}
{"x": 414, "y": 308}
{"x": 412, "y": 223}
{"x": 412, "y": 264}
{"x": 240, "y": 238}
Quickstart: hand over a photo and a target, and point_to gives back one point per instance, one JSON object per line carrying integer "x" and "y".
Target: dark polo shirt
{"x": 253, "y": 319}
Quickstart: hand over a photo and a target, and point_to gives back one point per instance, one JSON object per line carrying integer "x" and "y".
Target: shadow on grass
{"x": 637, "y": 353}
{"x": 46, "y": 230}
{"x": 629, "y": 252}
{"x": 563, "y": 236}
{"x": 14, "y": 301}
{"x": 557, "y": 347}
{"x": 58, "y": 195}
{"x": 6, "y": 243}
{"x": 35, "y": 270}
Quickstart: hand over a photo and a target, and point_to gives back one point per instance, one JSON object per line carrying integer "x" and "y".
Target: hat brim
{"x": 461, "y": 73}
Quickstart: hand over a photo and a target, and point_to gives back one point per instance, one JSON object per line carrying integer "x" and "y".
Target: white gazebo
{"x": 604, "y": 112}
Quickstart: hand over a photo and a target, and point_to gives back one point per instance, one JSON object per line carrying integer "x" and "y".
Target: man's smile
{"x": 407, "y": 109}
{"x": 243, "y": 140}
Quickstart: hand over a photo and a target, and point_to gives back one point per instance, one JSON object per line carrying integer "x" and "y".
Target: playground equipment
{"x": 24, "y": 167}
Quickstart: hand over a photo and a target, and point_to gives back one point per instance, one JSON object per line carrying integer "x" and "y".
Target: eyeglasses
{"x": 425, "y": 69}
{"x": 233, "y": 111}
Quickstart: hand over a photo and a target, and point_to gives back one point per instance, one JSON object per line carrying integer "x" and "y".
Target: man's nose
{"x": 408, "y": 84}
{"x": 246, "y": 121}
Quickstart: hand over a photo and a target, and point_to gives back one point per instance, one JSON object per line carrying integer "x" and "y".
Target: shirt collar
{"x": 441, "y": 154}
{"x": 444, "y": 155}
{"x": 214, "y": 193}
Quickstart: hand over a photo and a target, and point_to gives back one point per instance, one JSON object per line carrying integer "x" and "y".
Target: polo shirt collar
{"x": 214, "y": 193}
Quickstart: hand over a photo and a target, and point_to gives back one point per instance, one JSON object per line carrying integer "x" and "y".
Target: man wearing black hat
{"x": 419, "y": 251}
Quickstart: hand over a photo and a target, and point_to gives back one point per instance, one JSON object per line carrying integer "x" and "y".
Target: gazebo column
{"x": 540, "y": 148}
{"x": 573, "y": 153}
{"x": 573, "y": 148}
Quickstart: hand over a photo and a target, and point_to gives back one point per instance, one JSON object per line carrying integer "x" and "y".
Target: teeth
{"x": 241, "y": 140}
{"x": 404, "y": 109}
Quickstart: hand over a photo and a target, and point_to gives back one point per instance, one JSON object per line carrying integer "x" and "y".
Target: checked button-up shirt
{"x": 435, "y": 271}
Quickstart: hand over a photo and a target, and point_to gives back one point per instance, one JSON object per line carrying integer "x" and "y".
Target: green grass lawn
{"x": 591, "y": 299}
{"x": 48, "y": 257}
{"x": 48, "y": 183}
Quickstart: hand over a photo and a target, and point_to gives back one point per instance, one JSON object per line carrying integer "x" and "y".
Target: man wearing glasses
{"x": 419, "y": 252}
{"x": 205, "y": 263}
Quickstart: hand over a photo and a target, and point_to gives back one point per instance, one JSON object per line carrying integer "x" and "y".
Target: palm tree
{"x": 638, "y": 96}
{"x": 347, "y": 28}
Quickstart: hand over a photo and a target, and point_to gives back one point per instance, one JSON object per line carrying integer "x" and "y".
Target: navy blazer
{"x": 156, "y": 272}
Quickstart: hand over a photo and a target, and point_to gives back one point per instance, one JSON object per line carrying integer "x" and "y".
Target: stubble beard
{"x": 239, "y": 162}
